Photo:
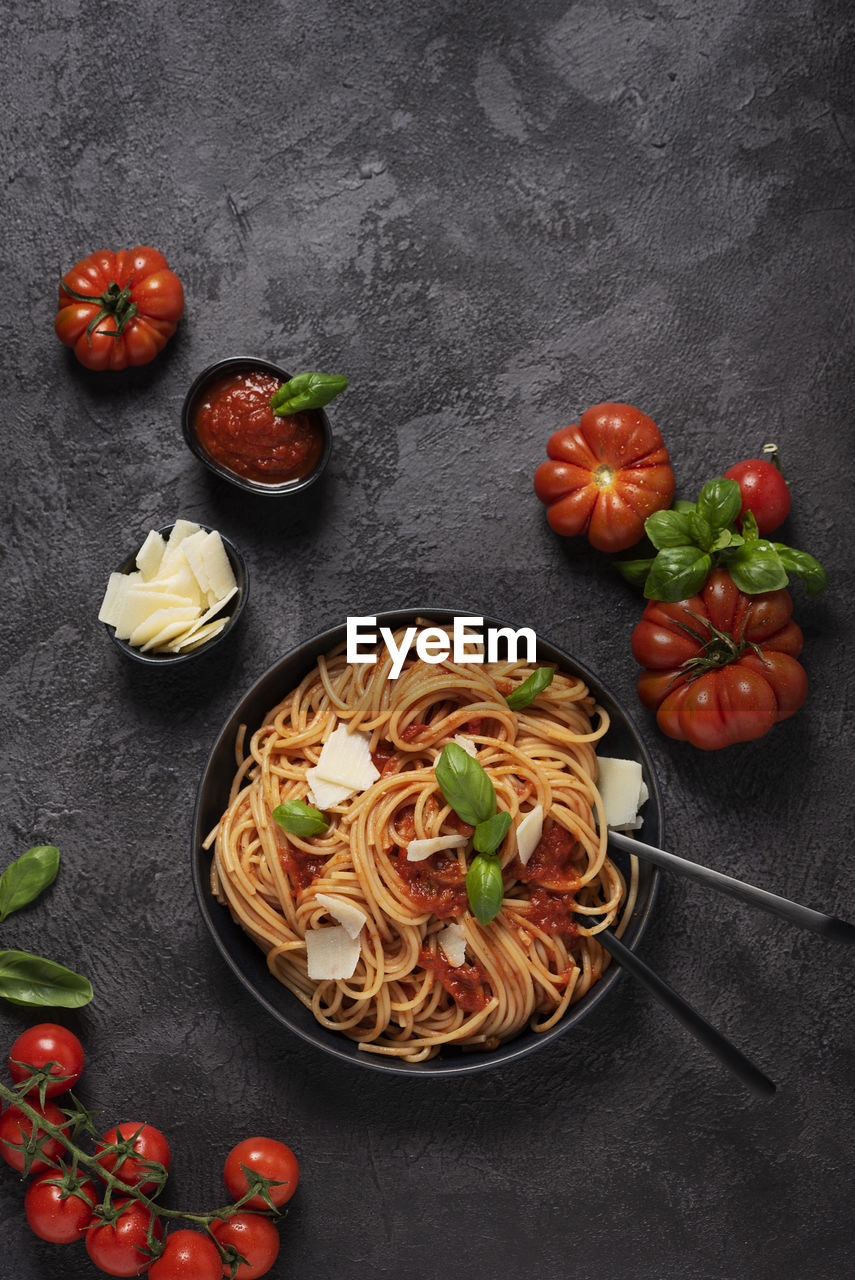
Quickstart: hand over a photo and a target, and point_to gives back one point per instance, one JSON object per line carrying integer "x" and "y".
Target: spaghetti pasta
{"x": 405, "y": 998}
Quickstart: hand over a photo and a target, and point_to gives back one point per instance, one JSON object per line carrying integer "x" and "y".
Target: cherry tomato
{"x": 16, "y": 1128}
{"x": 148, "y": 1143}
{"x": 605, "y": 476}
{"x": 270, "y": 1159}
{"x": 720, "y": 667}
{"x": 254, "y": 1237}
{"x": 56, "y": 1211}
{"x": 119, "y": 1247}
{"x": 117, "y": 309}
{"x": 764, "y": 492}
{"x": 188, "y": 1255}
{"x": 46, "y": 1044}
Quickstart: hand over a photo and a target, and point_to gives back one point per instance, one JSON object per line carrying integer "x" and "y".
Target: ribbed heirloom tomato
{"x": 720, "y": 667}
{"x": 604, "y": 477}
{"x": 117, "y": 309}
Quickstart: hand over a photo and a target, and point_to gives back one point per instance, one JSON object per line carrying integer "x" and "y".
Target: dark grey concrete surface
{"x": 489, "y": 217}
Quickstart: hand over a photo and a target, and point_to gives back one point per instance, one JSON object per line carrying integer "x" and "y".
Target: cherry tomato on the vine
{"x": 254, "y": 1237}
{"x": 16, "y": 1128}
{"x": 764, "y": 492}
{"x": 188, "y": 1255}
{"x": 43, "y": 1044}
{"x": 56, "y": 1213}
{"x": 119, "y": 1247}
{"x": 148, "y": 1143}
{"x": 270, "y": 1159}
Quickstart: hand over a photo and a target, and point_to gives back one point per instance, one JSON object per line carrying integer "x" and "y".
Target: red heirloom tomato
{"x": 254, "y": 1237}
{"x": 188, "y": 1255}
{"x": 15, "y": 1129}
{"x": 605, "y": 476}
{"x": 117, "y": 309}
{"x": 764, "y": 492}
{"x": 119, "y": 1247}
{"x": 720, "y": 667}
{"x": 43, "y": 1044}
{"x": 146, "y": 1142}
{"x": 58, "y": 1213}
{"x": 270, "y": 1159}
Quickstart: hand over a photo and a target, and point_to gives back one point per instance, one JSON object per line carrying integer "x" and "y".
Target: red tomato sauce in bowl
{"x": 236, "y": 427}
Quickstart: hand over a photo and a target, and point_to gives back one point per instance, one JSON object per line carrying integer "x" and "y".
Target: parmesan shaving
{"x": 418, "y": 850}
{"x": 331, "y": 954}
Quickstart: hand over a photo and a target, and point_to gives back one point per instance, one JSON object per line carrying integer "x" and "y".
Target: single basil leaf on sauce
{"x": 31, "y": 980}
{"x": 26, "y": 877}
{"x": 299, "y": 818}
{"x": 465, "y": 785}
{"x": 484, "y": 888}
{"x": 756, "y": 567}
{"x": 525, "y": 694}
{"x": 677, "y": 573}
{"x": 719, "y": 502}
{"x": 668, "y": 529}
{"x": 811, "y": 572}
{"x": 490, "y": 834}
{"x": 306, "y": 391}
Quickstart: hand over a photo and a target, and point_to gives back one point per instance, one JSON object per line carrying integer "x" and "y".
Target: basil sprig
{"x": 525, "y": 693}
{"x": 467, "y": 787}
{"x": 299, "y": 818}
{"x": 306, "y": 391}
{"x": 26, "y": 877}
{"x": 691, "y": 539}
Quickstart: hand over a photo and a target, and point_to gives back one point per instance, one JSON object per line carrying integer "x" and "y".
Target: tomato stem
{"x": 114, "y": 302}
{"x": 771, "y": 454}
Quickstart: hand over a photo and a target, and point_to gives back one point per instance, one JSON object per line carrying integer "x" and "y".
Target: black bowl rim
{"x": 288, "y": 487}
{"x": 225, "y": 931}
{"x": 174, "y": 659}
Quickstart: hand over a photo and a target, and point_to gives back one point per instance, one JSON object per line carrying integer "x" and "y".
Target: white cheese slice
{"x": 217, "y": 566}
{"x": 150, "y": 554}
{"x": 467, "y": 744}
{"x": 346, "y": 760}
{"x": 418, "y": 850}
{"x": 171, "y": 631}
{"x": 622, "y": 789}
{"x": 528, "y": 833}
{"x": 160, "y": 618}
{"x": 180, "y": 530}
{"x": 453, "y": 942}
{"x": 191, "y": 549}
{"x": 117, "y": 585}
{"x": 206, "y": 617}
{"x": 182, "y": 582}
{"x": 331, "y": 953}
{"x": 325, "y": 795}
{"x": 351, "y": 917}
{"x": 198, "y": 637}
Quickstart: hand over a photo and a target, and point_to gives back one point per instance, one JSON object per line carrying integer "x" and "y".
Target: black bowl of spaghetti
{"x": 266, "y": 894}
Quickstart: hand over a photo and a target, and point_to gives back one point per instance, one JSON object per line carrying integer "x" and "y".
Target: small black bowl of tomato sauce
{"x": 229, "y": 424}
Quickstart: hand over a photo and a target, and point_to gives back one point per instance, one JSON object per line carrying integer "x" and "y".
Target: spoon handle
{"x": 830, "y": 927}
{"x": 752, "y": 1077}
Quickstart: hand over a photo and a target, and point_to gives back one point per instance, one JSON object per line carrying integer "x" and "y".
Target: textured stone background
{"x": 489, "y": 216}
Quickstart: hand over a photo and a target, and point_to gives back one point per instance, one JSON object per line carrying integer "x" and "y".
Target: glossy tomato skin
{"x": 188, "y": 1255}
{"x": 254, "y": 1237}
{"x": 764, "y": 492}
{"x": 271, "y": 1159}
{"x": 60, "y": 1218}
{"x": 154, "y": 290}
{"x": 604, "y": 477}
{"x": 149, "y": 1144}
{"x": 15, "y": 1128}
{"x": 738, "y": 701}
{"x": 39, "y": 1045}
{"x": 119, "y": 1247}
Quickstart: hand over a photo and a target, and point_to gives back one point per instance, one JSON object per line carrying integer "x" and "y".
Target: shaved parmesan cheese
{"x": 326, "y": 795}
{"x": 180, "y": 530}
{"x": 202, "y": 636}
{"x": 331, "y": 953}
{"x": 418, "y": 850}
{"x": 344, "y": 766}
{"x": 218, "y": 569}
{"x": 347, "y": 913}
{"x": 453, "y": 942}
{"x": 467, "y": 744}
{"x": 117, "y": 584}
{"x": 155, "y": 622}
{"x": 528, "y": 833}
{"x": 622, "y": 789}
{"x": 150, "y": 554}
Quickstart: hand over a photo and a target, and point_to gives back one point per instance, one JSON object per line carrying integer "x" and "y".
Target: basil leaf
{"x": 306, "y": 391}
{"x": 683, "y": 506}
{"x": 669, "y": 529}
{"x": 465, "y": 785}
{"x": 677, "y": 573}
{"x": 30, "y": 980}
{"x": 299, "y": 819}
{"x": 756, "y": 567}
{"x": 750, "y": 532}
{"x": 525, "y": 693}
{"x": 809, "y": 569}
{"x": 701, "y": 532}
{"x": 490, "y": 834}
{"x": 634, "y": 571}
{"x": 720, "y": 502}
{"x": 484, "y": 888}
{"x": 26, "y": 877}
{"x": 726, "y": 539}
